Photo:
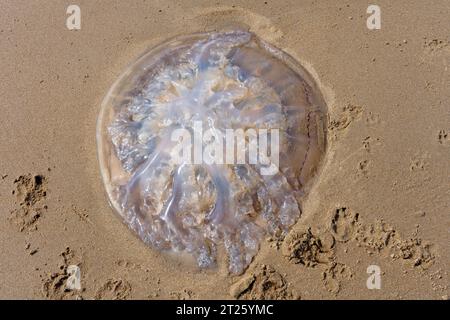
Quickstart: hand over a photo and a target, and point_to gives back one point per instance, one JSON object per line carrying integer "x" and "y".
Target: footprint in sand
{"x": 263, "y": 283}
{"x": 362, "y": 170}
{"x": 342, "y": 120}
{"x": 55, "y": 285}
{"x": 114, "y": 289}
{"x": 308, "y": 249}
{"x": 334, "y": 275}
{"x": 443, "y": 137}
{"x": 30, "y": 191}
{"x": 418, "y": 162}
{"x": 344, "y": 223}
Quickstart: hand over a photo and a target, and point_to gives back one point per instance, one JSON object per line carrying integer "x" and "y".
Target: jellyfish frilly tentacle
{"x": 222, "y": 80}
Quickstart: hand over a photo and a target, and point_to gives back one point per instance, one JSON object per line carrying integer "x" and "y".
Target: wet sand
{"x": 381, "y": 197}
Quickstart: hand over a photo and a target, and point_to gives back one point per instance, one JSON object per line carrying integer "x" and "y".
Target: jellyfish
{"x": 250, "y": 99}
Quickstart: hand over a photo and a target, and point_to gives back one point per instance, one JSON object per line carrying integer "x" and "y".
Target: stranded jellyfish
{"x": 207, "y": 143}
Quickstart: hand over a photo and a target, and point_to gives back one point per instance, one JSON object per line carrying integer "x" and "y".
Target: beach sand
{"x": 381, "y": 198}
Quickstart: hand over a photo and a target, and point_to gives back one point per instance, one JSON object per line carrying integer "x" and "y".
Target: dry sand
{"x": 382, "y": 197}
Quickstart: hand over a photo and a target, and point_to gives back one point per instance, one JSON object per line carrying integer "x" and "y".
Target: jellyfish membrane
{"x": 222, "y": 80}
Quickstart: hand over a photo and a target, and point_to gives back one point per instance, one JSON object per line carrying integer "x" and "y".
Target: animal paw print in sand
{"x": 344, "y": 224}
{"x": 185, "y": 294}
{"x": 348, "y": 114}
{"x": 379, "y": 236}
{"x": 362, "y": 168}
{"x": 333, "y": 276}
{"x": 265, "y": 283}
{"x": 372, "y": 119}
{"x": 54, "y": 286}
{"x": 435, "y": 46}
{"x": 418, "y": 163}
{"x": 312, "y": 251}
{"x": 307, "y": 249}
{"x": 443, "y": 138}
{"x": 114, "y": 289}
{"x": 366, "y": 143}
{"x": 30, "y": 192}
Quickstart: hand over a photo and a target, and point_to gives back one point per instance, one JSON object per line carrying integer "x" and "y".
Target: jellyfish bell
{"x": 222, "y": 81}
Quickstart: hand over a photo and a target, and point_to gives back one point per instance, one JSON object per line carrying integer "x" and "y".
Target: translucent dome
{"x": 211, "y": 89}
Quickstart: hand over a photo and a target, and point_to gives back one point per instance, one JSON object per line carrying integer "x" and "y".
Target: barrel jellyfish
{"x": 222, "y": 82}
